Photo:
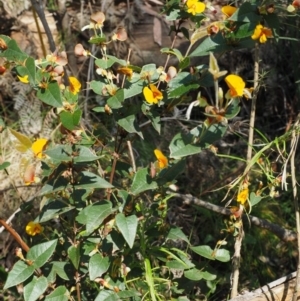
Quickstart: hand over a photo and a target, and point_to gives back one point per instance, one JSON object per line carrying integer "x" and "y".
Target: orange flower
{"x": 161, "y": 158}
{"x": 75, "y": 85}
{"x": 228, "y": 10}
{"x": 126, "y": 71}
{"x": 33, "y": 228}
{"x": 262, "y": 33}
{"x": 152, "y": 94}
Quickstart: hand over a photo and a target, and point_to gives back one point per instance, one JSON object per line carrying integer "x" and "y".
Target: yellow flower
{"x": 235, "y": 84}
{"x": 195, "y": 7}
{"x": 152, "y": 94}
{"x": 75, "y": 85}
{"x": 161, "y": 158}
{"x": 33, "y": 228}
{"x": 23, "y": 79}
{"x": 228, "y": 10}
{"x": 242, "y": 197}
{"x": 262, "y": 33}
{"x": 38, "y": 147}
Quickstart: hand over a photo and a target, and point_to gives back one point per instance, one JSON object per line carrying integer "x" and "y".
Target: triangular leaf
{"x": 19, "y": 273}
{"x": 59, "y": 294}
{"x": 98, "y": 265}
{"x": 127, "y": 226}
{"x": 35, "y": 288}
{"x": 51, "y": 95}
{"x": 40, "y": 253}
{"x": 142, "y": 182}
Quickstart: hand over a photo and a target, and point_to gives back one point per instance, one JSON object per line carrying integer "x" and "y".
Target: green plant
{"x": 110, "y": 238}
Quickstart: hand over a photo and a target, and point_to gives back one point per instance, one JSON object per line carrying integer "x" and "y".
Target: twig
{"x": 15, "y": 235}
{"x": 282, "y": 233}
{"x": 38, "y": 7}
{"x": 239, "y": 238}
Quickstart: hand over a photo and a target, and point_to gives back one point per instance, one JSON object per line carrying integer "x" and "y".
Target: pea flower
{"x": 236, "y": 85}
{"x": 242, "y": 196}
{"x": 33, "y": 228}
{"x": 228, "y": 10}
{"x": 97, "y": 21}
{"x": 80, "y": 51}
{"x": 261, "y": 33}
{"x": 75, "y": 85}
{"x": 152, "y": 94}
{"x": 195, "y": 7}
{"x": 161, "y": 158}
{"x": 38, "y": 146}
{"x": 29, "y": 174}
{"x": 120, "y": 34}
{"x": 23, "y": 79}
{"x": 126, "y": 71}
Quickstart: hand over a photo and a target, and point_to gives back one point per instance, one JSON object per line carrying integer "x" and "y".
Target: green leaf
{"x": 4, "y": 165}
{"x": 134, "y": 86}
{"x": 28, "y": 69}
{"x": 98, "y": 265}
{"x": 173, "y": 51}
{"x": 246, "y": 13}
{"x": 127, "y": 226}
{"x": 107, "y": 296}
{"x": 233, "y": 109}
{"x": 153, "y": 115}
{"x": 116, "y": 100}
{"x": 87, "y": 179}
{"x": 65, "y": 153}
{"x": 130, "y": 125}
{"x": 107, "y": 63}
{"x": 180, "y": 91}
{"x": 196, "y": 275}
{"x": 13, "y": 52}
{"x": 170, "y": 173}
{"x": 40, "y": 253}
{"x": 19, "y": 273}
{"x": 34, "y": 289}
{"x": 142, "y": 182}
{"x": 53, "y": 210}
{"x": 97, "y": 86}
{"x": 206, "y": 251}
{"x": 214, "y": 44}
{"x": 97, "y": 39}
{"x": 181, "y": 146}
{"x": 184, "y": 63}
{"x": 254, "y": 199}
{"x": 60, "y": 269}
{"x": 59, "y": 294}
{"x": 176, "y": 233}
{"x": 70, "y": 120}
{"x": 74, "y": 255}
{"x": 51, "y": 95}
{"x": 94, "y": 215}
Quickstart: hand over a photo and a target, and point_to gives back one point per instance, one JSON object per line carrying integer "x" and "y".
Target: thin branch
{"x": 282, "y": 233}
{"x": 38, "y": 7}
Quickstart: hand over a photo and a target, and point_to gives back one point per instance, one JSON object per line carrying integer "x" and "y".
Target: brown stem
{"x": 15, "y": 235}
